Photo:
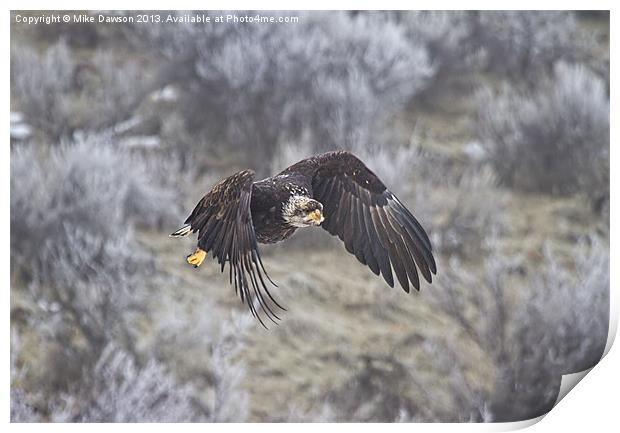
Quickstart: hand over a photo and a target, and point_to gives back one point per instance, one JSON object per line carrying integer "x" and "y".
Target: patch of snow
{"x": 126, "y": 125}
{"x": 16, "y": 117}
{"x": 20, "y": 130}
{"x": 140, "y": 141}
{"x": 165, "y": 94}
{"x": 475, "y": 151}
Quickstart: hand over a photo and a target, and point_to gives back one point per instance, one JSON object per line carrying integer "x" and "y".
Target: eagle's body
{"x": 268, "y": 199}
{"x": 335, "y": 189}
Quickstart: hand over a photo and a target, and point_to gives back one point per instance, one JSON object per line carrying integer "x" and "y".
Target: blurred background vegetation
{"x": 493, "y": 127}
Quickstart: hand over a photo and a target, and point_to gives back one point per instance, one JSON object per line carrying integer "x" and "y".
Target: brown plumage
{"x": 336, "y": 187}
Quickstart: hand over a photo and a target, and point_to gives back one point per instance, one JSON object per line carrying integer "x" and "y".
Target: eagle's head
{"x": 302, "y": 211}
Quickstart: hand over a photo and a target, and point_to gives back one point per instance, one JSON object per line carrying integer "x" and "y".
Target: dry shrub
{"x": 331, "y": 80}
{"x": 554, "y": 140}
{"x": 557, "y": 326}
{"x": 60, "y": 95}
{"x": 524, "y": 45}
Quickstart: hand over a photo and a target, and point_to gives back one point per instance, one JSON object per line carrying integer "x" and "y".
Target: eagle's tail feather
{"x": 183, "y": 231}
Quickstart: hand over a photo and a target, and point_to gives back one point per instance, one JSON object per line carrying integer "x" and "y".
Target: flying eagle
{"x": 334, "y": 190}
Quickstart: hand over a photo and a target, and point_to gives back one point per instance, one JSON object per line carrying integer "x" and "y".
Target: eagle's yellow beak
{"x": 317, "y": 216}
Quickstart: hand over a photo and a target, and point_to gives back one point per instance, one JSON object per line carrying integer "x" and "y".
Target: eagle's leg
{"x": 197, "y": 258}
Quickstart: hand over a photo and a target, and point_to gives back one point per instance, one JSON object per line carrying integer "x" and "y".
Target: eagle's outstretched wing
{"x": 223, "y": 221}
{"x": 371, "y": 221}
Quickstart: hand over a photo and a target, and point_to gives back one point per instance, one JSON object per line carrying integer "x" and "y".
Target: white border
{"x": 314, "y": 5}
{"x": 590, "y": 406}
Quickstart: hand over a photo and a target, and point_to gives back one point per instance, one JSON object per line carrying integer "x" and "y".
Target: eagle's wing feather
{"x": 371, "y": 221}
{"x": 223, "y": 221}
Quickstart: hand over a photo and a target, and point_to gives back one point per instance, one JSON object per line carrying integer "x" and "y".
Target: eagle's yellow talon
{"x": 197, "y": 258}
